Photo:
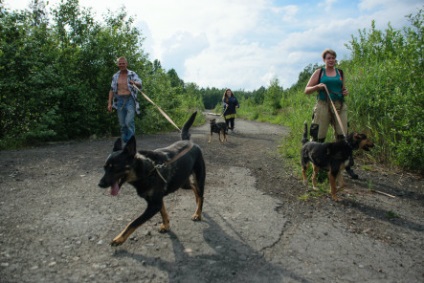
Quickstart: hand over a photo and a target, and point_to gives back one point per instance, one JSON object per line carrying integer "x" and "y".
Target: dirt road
{"x": 56, "y": 224}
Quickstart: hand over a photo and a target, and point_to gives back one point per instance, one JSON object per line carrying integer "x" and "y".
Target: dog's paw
{"x": 196, "y": 217}
{"x": 163, "y": 228}
{"x": 117, "y": 242}
{"x": 335, "y": 198}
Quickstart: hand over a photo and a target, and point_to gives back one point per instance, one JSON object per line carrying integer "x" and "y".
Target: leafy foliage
{"x": 386, "y": 78}
{"x": 59, "y": 73}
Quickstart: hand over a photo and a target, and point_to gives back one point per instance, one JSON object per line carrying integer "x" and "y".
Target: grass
{"x": 391, "y": 215}
{"x": 322, "y": 183}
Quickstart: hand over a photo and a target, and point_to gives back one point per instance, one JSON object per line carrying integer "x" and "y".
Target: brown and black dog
{"x": 155, "y": 174}
{"x": 333, "y": 156}
{"x": 220, "y": 128}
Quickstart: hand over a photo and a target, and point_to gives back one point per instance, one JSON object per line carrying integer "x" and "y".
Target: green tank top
{"x": 334, "y": 86}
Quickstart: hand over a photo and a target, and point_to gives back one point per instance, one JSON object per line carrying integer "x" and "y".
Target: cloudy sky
{"x": 244, "y": 44}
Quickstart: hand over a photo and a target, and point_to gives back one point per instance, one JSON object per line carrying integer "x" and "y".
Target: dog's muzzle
{"x": 103, "y": 183}
{"x": 115, "y": 187}
{"x": 368, "y": 146}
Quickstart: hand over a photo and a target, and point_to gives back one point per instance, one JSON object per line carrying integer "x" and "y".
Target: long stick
{"x": 160, "y": 110}
{"x": 383, "y": 193}
{"x": 335, "y": 112}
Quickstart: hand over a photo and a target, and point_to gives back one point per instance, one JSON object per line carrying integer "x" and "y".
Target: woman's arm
{"x": 313, "y": 84}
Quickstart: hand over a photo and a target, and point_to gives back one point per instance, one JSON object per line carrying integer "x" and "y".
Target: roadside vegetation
{"x": 385, "y": 78}
{"x": 57, "y": 68}
{"x": 57, "y": 63}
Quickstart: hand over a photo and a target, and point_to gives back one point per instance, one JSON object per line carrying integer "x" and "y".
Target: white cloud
{"x": 245, "y": 44}
{"x": 327, "y": 5}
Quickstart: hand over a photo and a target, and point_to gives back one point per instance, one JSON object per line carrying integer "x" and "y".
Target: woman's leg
{"x": 321, "y": 120}
{"x": 232, "y": 123}
{"x": 227, "y": 121}
{"x": 342, "y": 111}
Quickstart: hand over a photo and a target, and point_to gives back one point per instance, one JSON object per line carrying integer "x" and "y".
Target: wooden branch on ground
{"x": 383, "y": 193}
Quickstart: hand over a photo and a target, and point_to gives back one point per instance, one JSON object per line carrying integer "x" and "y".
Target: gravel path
{"x": 56, "y": 224}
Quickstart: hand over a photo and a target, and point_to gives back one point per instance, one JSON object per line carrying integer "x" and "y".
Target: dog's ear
{"x": 118, "y": 145}
{"x": 357, "y": 136}
{"x": 131, "y": 147}
{"x": 363, "y": 136}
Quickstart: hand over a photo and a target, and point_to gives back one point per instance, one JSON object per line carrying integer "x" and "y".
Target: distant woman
{"x": 230, "y": 104}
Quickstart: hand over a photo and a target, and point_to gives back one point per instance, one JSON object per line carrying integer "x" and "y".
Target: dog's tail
{"x": 185, "y": 135}
{"x": 305, "y": 133}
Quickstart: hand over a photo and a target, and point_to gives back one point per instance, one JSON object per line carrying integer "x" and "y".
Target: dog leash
{"x": 222, "y": 114}
{"x": 160, "y": 109}
{"x": 175, "y": 158}
{"x": 335, "y": 112}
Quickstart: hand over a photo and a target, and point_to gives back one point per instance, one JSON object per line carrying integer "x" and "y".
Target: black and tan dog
{"x": 332, "y": 156}
{"x": 155, "y": 174}
{"x": 220, "y": 128}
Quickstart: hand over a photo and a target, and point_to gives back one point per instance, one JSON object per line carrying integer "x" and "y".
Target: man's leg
{"x": 121, "y": 111}
{"x": 129, "y": 119}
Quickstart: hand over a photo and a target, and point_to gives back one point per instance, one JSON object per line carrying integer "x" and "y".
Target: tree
{"x": 385, "y": 76}
{"x": 273, "y": 96}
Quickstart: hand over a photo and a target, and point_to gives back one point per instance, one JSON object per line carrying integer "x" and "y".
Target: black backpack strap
{"x": 320, "y": 74}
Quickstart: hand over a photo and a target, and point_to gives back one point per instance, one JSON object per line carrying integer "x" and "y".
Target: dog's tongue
{"x": 114, "y": 189}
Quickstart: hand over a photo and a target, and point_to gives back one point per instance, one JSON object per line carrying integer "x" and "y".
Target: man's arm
{"x": 135, "y": 79}
{"x": 109, "y": 101}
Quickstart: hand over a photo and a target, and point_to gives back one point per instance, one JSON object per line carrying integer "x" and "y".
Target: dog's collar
{"x": 350, "y": 143}
{"x": 156, "y": 167}
{"x": 159, "y": 173}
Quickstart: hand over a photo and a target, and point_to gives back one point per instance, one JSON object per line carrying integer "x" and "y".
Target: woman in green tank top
{"x": 332, "y": 78}
{"x": 334, "y": 85}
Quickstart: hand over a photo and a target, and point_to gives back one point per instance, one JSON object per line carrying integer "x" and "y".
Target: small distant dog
{"x": 334, "y": 157}
{"x": 155, "y": 174}
{"x": 220, "y": 128}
